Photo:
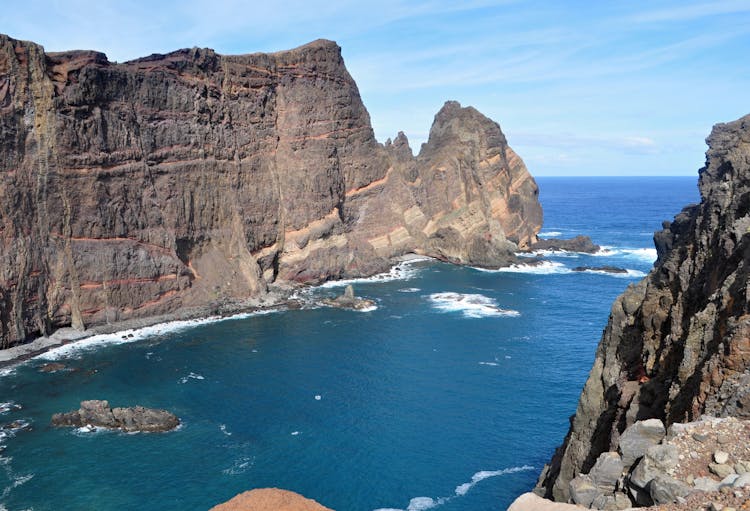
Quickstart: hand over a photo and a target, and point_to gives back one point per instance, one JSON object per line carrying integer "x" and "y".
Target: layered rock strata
{"x": 677, "y": 344}
{"x": 136, "y": 189}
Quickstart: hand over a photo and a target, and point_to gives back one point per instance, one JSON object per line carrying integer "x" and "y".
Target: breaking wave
{"x": 424, "y": 503}
{"x": 470, "y": 305}
{"x": 404, "y": 270}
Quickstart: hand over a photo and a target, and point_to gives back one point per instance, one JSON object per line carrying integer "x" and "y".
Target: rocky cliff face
{"x": 129, "y": 190}
{"x": 677, "y": 344}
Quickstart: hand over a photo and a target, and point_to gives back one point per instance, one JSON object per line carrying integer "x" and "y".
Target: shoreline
{"x": 277, "y": 298}
{"x": 280, "y": 296}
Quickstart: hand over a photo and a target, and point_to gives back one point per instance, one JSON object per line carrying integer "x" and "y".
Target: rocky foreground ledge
{"x": 269, "y": 499}
{"x": 98, "y": 414}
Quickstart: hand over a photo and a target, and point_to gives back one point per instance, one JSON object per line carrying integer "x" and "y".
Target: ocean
{"x": 450, "y": 395}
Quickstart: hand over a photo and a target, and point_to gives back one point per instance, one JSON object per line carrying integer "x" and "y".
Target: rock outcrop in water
{"x": 98, "y": 414}
{"x": 677, "y": 344}
{"x": 193, "y": 179}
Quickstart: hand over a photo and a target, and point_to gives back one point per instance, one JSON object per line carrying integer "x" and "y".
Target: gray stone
{"x": 700, "y": 437}
{"x": 659, "y": 459}
{"x": 636, "y": 439}
{"x": 728, "y": 480}
{"x": 742, "y": 467}
{"x": 622, "y": 501}
{"x": 583, "y": 491}
{"x": 742, "y": 481}
{"x": 724, "y": 439}
{"x": 721, "y": 457}
{"x": 664, "y": 489}
{"x": 604, "y": 502}
{"x": 715, "y": 506}
{"x": 720, "y": 469}
{"x": 607, "y": 471}
{"x": 706, "y": 484}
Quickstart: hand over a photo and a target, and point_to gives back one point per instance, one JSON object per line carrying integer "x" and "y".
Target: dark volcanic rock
{"x": 349, "y": 301}
{"x": 195, "y": 179}
{"x": 578, "y": 244}
{"x": 606, "y": 269}
{"x": 677, "y": 344}
{"x": 98, "y": 414}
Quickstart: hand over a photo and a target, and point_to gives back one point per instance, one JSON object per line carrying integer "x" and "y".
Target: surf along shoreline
{"x": 280, "y": 297}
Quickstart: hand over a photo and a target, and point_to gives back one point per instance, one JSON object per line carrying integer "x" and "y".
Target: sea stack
{"x": 677, "y": 345}
{"x": 194, "y": 179}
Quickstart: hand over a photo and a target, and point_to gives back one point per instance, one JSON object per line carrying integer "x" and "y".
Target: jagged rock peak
{"x": 677, "y": 344}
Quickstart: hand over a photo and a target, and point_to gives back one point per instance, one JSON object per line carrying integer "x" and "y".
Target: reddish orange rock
{"x": 269, "y": 499}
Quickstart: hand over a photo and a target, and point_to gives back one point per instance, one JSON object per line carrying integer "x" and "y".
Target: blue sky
{"x": 579, "y": 88}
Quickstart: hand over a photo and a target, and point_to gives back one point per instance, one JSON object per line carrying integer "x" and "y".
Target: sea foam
{"x": 404, "y": 270}
{"x": 77, "y": 348}
{"x": 470, "y": 305}
{"x": 424, "y": 503}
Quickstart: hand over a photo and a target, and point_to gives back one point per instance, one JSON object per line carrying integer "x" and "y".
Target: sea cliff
{"x": 131, "y": 190}
{"x": 677, "y": 344}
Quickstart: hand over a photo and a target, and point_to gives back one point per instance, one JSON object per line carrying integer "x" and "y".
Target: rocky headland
{"x": 98, "y": 414}
{"x": 676, "y": 350}
{"x": 193, "y": 181}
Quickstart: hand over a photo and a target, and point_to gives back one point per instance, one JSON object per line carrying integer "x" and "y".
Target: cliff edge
{"x": 677, "y": 344}
{"x": 194, "y": 179}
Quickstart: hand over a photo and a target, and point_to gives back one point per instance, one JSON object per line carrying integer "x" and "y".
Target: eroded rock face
{"x": 193, "y": 178}
{"x": 677, "y": 344}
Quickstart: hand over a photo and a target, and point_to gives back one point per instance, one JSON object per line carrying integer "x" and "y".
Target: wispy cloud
{"x": 684, "y": 12}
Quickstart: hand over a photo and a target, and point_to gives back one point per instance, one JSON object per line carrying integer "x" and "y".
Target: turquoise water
{"x": 429, "y": 401}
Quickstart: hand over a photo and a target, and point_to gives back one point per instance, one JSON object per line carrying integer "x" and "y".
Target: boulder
{"x": 635, "y": 440}
{"x": 583, "y": 491}
{"x": 269, "y": 499}
{"x": 706, "y": 484}
{"x": 97, "y": 413}
{"x": 742, "y": 481}
{"x": 607, "y": 471}
{"x": 658, "y": 460}
{"x": 721, "y": 457}
{"x": 578, "y": 244}
{"x": 720, "y": 469}
{"x": 664, "y": 489}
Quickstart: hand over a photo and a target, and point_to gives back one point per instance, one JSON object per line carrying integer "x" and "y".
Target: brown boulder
{"x": 269, "y": 499}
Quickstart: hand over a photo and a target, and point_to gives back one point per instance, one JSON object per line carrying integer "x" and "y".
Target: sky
{"x": 578, "y": 87}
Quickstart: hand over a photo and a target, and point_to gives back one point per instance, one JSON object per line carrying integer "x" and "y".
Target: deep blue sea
{"x": 451, "y": 395}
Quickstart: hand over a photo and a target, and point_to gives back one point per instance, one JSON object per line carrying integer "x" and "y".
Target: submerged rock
{"x": 98, "y": 414}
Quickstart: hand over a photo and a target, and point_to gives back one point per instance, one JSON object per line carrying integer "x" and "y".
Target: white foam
{"x": 488, "y": 364}
{"x": 409, "y": 290}
{"x": 424, "y": 503}
{"x": 240, "y": 465}
{"x": 629, "y": 274}
{"x": 295, "y": 433}
{"x": 75, "y": 349}
{"x": 223, "y": 428}
{"x": 543, "y": 268}
{"x": 647, "y": 255}
{"x": 549, "y": 234}
{"x": 88, "y": 429}
{"x": 551, "y": 253}
{"x": 10, "y": 405}
{"x": 368, "y": 309}
{"x": 318, "y": 397}
{"x": 462, "y": 489}
{"x": 470, "y": 305}
{"x": 644, "y": 254}
{"x": 402, "y": 271}
{"x": 191, "y": 376}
